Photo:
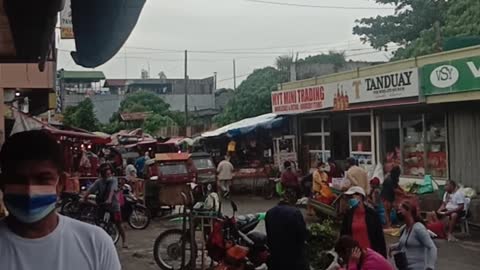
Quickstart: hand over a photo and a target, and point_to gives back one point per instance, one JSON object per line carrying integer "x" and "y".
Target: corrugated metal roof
{"x": 134, "y": 116}
{"x": 115, "y": 82}
{"x": 82, "y": 75}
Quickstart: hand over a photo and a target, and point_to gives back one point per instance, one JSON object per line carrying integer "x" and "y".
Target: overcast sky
{"x": 252, "y": 33}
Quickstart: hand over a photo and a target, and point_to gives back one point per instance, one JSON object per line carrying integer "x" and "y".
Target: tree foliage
{"x": 144, "y": 101}
{"x": 420, "y": 27}
{"x": 284, "y": 62}
{"x": 81, "y": 116}
{"x": 155, "y": 121}
{"x": 252, "y": 97}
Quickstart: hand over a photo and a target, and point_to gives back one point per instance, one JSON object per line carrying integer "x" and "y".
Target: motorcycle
{"x": 100, "y": 215}
{"x": 70, "y": 204}
{"x": 134, "y": 211}
{"x": 227, "y": 232}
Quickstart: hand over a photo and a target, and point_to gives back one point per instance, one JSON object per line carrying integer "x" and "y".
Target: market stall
{"x": 80, "y": 147}
{"x": 250, "y": 145}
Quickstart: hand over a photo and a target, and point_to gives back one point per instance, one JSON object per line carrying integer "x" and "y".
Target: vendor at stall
{"x": 320, "y": 188}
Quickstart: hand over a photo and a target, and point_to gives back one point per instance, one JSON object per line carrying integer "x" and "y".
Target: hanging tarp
{"x": 267, "y": 121}
{"x": 101, "y": 28}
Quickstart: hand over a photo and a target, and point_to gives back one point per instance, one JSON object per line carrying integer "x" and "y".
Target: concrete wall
{"x": 105, "y": 105}
{"x": 198, "y": 102}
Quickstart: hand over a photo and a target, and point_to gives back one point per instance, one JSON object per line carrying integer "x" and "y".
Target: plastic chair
{"x": 464, "y": 220}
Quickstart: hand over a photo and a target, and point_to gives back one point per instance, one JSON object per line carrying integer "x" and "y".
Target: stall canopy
{"x": 267, "y": 121}
{"x": 24, "y": 122}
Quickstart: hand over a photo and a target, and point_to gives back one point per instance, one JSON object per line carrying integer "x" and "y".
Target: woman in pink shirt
{"x": 356, "y": 258}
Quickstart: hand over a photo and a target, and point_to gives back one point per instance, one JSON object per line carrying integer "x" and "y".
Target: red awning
{"x": 95, "y": 139}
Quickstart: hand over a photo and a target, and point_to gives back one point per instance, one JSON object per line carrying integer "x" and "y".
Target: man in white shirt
{"x": 225, "y": 175}
{"x": 34, "y": 236}
{"x": 453, "y": 206}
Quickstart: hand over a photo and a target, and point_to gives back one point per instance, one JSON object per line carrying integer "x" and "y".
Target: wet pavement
{"x": 462, "y": 255}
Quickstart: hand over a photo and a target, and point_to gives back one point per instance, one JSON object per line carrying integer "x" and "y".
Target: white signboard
{"x": 339, "y": 96}
{"x": 66, "y": 26}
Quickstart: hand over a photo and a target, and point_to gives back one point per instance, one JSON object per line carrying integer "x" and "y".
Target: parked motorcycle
{"x": 134, "y": 211}
{"x": 227, "y": 232}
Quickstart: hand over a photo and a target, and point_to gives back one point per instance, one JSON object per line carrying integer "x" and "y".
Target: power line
{"x": 316, "y": 6}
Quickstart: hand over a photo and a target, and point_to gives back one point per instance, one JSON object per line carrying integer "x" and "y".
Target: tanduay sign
{"x": 340, "y": 95}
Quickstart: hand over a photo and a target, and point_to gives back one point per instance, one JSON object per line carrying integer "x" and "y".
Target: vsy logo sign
{"x": 444, "y": 76}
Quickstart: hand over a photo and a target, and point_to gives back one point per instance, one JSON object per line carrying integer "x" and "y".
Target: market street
{"x": 139, "y": 256}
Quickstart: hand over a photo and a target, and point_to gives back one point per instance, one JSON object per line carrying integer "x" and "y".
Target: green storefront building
{"x": 454, "y": 86}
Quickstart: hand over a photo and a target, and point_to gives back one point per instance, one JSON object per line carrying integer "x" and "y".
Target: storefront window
{"x": 361, "y": 138}
{"x": 413, "y": 146}
{"x": 391, "y": 142}
{"x": 420, "y": 147}
{"x": 436, "y": 146}
{"x": 316, "y": 138}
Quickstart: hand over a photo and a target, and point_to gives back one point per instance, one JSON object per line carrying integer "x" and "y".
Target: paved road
{"x": 463, "y": 255}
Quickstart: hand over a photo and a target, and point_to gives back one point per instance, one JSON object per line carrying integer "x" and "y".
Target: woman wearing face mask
{"x": 416, "y": 249}
{"x": 354, "y": 257}
{"x": 362, "y": 222}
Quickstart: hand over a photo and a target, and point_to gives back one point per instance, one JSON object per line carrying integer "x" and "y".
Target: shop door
{"x": 340, "y": 139}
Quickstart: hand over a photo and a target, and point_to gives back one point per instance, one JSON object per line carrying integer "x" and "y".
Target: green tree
{"x": 422, "y": 27}
{"x": 412, "y": 26}
{"x": 143, "y": 101}
{"x": 284, "y": 62}
{"x": 81, "y": 116}
{"x": 154, "y": 122}
{"x": 252, "y": 97}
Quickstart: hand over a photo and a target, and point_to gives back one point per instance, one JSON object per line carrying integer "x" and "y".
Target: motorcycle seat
{"x": 246, "y": 219}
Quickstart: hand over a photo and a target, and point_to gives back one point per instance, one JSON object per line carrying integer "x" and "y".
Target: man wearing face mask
{"x": 31, "y": 164}
{"x": 362, "y": 222}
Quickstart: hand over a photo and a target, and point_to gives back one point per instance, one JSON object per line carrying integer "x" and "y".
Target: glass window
{"x": 361, "y": 144}
{"x": 203, "y": 163}
{"x": 360, "y": 123}
{"x": 413, "y": 146}
{"x": 312, "y": 125}
{"x": 391, "y": 142}
{"x": 436, "y": 145}
{"x": 313, "y": 142}
{"x": 172, "y": 168}
{"x": 326, "y": 125}
{"x": 327, "y": 143}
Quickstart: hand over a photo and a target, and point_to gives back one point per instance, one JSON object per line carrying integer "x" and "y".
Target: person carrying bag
{"x": 415, "y": 249}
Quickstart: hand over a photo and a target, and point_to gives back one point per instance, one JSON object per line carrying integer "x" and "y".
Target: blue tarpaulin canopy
{"x": 267, "y": 121}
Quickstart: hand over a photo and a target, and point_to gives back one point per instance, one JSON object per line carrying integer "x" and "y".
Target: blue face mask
{"x": 30, "y": 204}
{"x": 353, "y": 203}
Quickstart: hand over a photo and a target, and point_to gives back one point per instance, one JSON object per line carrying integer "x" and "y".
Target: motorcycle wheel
{"x": 268, "y": 190}
{"x": 112, "y": 230}
{"x": 139, "y": 219}
{"x": 167, "y": 250}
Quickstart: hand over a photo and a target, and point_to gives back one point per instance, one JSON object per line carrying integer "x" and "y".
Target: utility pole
{"x": 125, "y": 52}
{"x": 214, "y": 81}
{"x": 186, "y": 94}
{"x": 234, "y": 76}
